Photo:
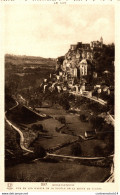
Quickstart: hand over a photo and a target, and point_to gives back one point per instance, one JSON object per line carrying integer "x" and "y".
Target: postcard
{"x": 59, "y": 96}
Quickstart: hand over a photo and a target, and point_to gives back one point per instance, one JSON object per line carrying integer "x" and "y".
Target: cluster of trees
{"x": 97, "y": 108}
{"x": 13, "y": 152}
{"x": 97, "y": 122}
{"x": 109, "y": 148}
{"x": 62, "y": 98}
{"x": 76, "y": 149}
{"x": 81, "y": 100}
{"x": 98, "y": 150}
{"x": 100, "y": 125}
{"x": 111, "y": 102}
{"x": 104, "y": 58}
{"x": 39, "y": 151}
{"x": 65, "y": 99}
{"x": 64, "y": 102}
{"x": 35, "y": 102}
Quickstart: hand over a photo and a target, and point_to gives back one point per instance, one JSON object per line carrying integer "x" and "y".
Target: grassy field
{"x": 56, "y": 138}
{"x": 55, "y": 172}
{"x": 25, "y": 119}
{"x": 87, "y": 148}
{"x": 53, "y": 111}
{"x": 72, "y": 120}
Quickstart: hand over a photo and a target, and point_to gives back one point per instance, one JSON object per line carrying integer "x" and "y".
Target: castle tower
{"x": 101, "y": 41}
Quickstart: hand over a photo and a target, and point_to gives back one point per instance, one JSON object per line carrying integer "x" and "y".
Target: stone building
{"x": 83, "y": 67}
{"x": 78, "y": 61}
{"x": 73, "y": 47}
{"x": 97, "y": 44}
{"x": 75, "y": 72}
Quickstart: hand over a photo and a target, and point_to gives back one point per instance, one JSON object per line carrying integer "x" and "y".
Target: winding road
{"x": 18, "y": 130}
{"x": 80, "y": 158}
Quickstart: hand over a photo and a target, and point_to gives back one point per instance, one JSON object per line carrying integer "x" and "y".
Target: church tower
{"x": 101, "y": 41}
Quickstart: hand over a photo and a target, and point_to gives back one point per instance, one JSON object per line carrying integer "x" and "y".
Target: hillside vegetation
{"x": 25, "y": 72}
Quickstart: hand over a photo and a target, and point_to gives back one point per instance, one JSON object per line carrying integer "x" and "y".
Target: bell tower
{"x": 101, "y": 41}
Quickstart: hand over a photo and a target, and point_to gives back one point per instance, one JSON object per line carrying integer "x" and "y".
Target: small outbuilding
{"x": 90, "y": 134}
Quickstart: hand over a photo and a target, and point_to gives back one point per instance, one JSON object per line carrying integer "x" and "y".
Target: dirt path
{"x": 79, "y": 158}
{"x": 18, "y": 130}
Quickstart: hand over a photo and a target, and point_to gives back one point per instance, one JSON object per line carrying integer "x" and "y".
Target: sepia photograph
{"x": 59, "y": 63}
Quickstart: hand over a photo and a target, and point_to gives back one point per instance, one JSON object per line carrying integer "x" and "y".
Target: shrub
{"x": 97, "y": 122}
{"x": 108, "y": 127}
{"x": 109, "y": 140}
{"x": 76, "y": 149}
{"x": 98, "y": 151}
{"x": 57, "y": 129}
{"x": 63, "y": 101}
{"x": 39, "y": 151}
{"x": 83, "y": 118}
{"x": 62, "y": 119}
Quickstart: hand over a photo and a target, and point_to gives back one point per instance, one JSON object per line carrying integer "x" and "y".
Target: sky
{"x": 48, "y": 30}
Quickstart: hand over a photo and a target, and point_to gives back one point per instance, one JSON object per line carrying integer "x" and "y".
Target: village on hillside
{"x": 84, "y": 71}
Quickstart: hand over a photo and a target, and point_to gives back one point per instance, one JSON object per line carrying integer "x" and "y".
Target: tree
{"x": 39, "y": 151}
{"x": 62, "y": 119}
{"x": 97, "y": 122}
{"x": 104, "y": 58}
{"x": 83, "y": 118}
{"x": 63, "y": 101}
{"x": 66, "y": 105}
{"x": 98, "y": 151}
{"x": 111, "y": 100}
{"x": 76, "y": 149}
